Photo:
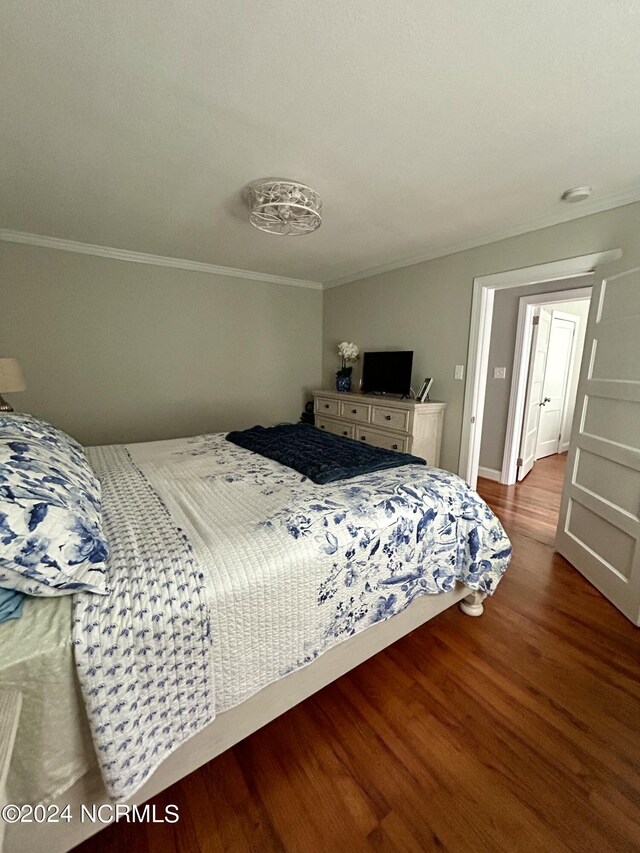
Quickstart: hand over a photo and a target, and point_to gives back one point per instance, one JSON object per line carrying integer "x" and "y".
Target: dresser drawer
{"x": 379, "y": 439}
{"x": 390, "y": 418}
{"x": 401, "y": 425}
{"x": 327, "y": 406}
{"x": 355, "y": 411}
{"x": 336, "y": 427}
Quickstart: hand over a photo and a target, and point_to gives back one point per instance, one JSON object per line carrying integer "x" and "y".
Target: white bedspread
{"x": 292, "y": 568}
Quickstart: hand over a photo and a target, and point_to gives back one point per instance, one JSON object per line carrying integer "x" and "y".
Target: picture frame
{"x": 423, "y": 394}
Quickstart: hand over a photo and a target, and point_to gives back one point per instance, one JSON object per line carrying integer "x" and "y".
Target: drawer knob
{"x": 363, "y": 438}
{"x": 395, "y": 446}
{"x": 326, "y": 405}
{"x": 387, "y": 417}
{"x": 321, "y": 426}
{"x": 345, "y": 432}
{"x": 354, "y": 411}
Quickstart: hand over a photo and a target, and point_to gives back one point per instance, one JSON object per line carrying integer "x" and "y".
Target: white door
{"x": 533, "y": 399}
{"x": 556, "y": 380}
{"x": 599, "y": 527}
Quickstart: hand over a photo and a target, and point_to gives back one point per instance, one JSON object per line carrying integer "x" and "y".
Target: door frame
{"x": 484, "y": 288}
{"x": 521, "y": 360}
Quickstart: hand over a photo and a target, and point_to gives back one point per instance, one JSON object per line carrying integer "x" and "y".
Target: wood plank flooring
{"x": 530, "y": 507}
{"x": 517, "y": 731}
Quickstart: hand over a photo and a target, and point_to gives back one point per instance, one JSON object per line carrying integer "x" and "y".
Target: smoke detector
{"x": 576, "y": 194}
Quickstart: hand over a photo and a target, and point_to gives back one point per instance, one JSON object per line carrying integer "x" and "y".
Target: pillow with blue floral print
{"x": 37, "y": 430}
{"x": 51, "y": 539}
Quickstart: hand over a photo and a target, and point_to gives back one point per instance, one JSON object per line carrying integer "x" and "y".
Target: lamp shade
{"x": 11, "y": 378}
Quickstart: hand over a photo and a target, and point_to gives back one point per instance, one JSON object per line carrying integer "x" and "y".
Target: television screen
{"x": 387, "y": 372}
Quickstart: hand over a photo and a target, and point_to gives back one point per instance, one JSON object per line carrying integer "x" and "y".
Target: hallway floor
{"x": 532, "y": 506}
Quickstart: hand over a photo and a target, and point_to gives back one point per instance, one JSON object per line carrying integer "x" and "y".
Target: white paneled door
{"x": 556, "y": 379}
{"x": 599, "y": 527}
{"x": 534, "y": 397}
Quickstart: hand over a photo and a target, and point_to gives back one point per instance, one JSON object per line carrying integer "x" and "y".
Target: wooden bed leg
{"x": 472, "y": 603}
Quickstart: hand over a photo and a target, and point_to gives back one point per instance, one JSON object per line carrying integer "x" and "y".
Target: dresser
{"x": 402, "y": 425}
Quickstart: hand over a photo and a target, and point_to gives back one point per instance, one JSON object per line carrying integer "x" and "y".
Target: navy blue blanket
{"x": 319, "y": 455}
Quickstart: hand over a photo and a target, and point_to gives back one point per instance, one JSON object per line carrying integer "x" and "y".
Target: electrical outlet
{"x": 499, "y": 372}
{"x": 459, "y": 372}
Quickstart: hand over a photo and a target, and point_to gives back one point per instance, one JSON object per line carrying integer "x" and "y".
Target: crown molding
{"x": 9, "y": 236}
{"x": 596, "y": 206}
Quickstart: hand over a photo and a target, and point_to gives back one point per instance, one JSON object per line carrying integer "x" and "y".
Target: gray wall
{"x": 117, "y": 351}
{"x": 427, "y": 307}
{"x": 114, "y": 351}
{"x": 501, "y": 352}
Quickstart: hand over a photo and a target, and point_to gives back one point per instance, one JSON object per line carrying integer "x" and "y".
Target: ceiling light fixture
{"x": 576, "y": 194}
{"x": 285, "y": 207}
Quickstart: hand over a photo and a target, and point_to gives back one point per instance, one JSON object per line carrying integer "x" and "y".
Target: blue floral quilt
{"x": 229, "y": 570}
{"x": 374, "y": 542}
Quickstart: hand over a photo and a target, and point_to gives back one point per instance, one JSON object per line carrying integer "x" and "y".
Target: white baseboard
{"x": 489, "y": 473}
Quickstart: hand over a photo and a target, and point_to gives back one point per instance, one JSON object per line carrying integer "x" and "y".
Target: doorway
{"x": 484, "y": 290}
{"x": 518, "y": 362}
{"x": 545, "y": 380}
{"x": 597, "y": 530}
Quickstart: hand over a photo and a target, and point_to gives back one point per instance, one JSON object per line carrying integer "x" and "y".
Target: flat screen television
{"x": 387, "y": 372}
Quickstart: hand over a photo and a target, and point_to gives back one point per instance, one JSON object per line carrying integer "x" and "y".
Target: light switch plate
{"x": 499, "y": 372}
{"x": 459, "y": 372}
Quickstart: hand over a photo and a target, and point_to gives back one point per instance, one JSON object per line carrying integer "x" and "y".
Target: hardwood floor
{"x": 518, "y": 731}
{"x": 530, "y": 507}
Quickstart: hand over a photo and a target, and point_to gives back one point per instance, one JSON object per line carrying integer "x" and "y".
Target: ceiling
{"x": 424, "y": 125}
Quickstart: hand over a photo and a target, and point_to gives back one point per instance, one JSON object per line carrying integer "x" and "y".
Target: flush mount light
{"x": 284, "y": 207}
{"x": 576, "y": 194}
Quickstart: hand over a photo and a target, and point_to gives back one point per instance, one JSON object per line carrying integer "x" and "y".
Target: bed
{"x": 241, "y": 587}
